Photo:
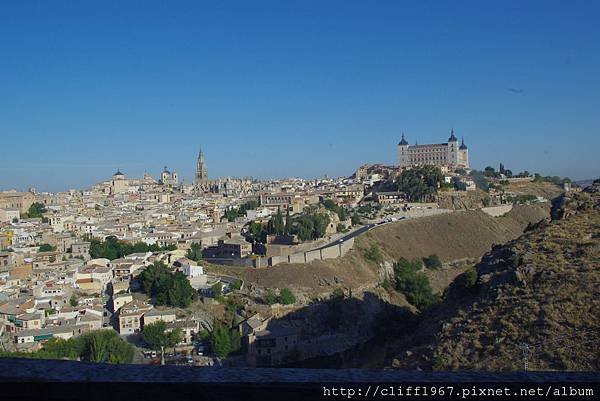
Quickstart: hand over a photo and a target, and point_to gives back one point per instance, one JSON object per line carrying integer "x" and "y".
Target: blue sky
{"x": 284, "y": 88}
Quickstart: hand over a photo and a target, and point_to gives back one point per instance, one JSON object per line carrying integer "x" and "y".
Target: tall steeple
{"x": 201, "y": 171}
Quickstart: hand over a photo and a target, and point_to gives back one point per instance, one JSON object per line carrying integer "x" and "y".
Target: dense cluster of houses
{"x": 50, "y": 286}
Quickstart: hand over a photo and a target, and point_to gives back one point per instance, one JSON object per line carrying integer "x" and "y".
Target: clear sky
{"x": 292, "y": 88}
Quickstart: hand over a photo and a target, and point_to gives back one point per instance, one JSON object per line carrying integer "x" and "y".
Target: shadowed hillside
{"x": 539, "y": 292}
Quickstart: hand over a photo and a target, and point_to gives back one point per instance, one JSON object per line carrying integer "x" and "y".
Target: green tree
{"x": 278, "y": 224}
{"x": 224, "y": 340}
{"x": 288, "y": 223}
{"x": 286, "y": 296}
{"x": 414, "y": 285}
{"x": 153, "y": 276}
{"x": 195, "y": 252}
{"x": 47, "y": 248}
{"x": 36, "y": 210}
{"x": 179, "y": 291}
{"x": 419, "y": 184}
{"x": 256, "y": 231}
{"x": 489, "y": 171}
{"x": 106, "y": 346}
{"x": 73, "y": 301}
{"x": 168, "y": 288}
{"x": 329, "y": 204}
{"x": 158, "y": 337}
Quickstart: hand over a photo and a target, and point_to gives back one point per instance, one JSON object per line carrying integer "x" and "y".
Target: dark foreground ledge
{"x": 25, "y": 379}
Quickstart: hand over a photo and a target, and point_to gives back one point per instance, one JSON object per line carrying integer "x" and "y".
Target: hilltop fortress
{"x": 438, "y": 154}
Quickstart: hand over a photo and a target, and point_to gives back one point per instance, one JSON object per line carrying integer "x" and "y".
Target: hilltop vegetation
{"x": 540, "y": 290}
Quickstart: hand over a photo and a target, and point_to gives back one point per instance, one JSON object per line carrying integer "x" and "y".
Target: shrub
{"x": 217, "y": 289}
{"x": 387, "y": 284}
{"x": 286, "y": 296}
{"x": 432, "y": 262}
{"x": 338, "y": 293}
{"x": 374, "y": 254}
{"x": 514, "y": 260}
{"x": 470, "y": 277}
{"x": 270, "y": 298}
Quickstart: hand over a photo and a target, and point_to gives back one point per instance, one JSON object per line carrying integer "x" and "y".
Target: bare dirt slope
{"x": 462, "y": 234}
{"x": 315, "y": 278}
{"x": 458, "y": 200}
{"x": 545, "y": 189}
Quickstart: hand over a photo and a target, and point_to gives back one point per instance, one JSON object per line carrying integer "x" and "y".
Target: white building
{"x": 439, "y": 154}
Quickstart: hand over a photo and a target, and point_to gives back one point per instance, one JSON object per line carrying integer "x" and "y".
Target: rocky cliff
{"x": 535, "y": 299}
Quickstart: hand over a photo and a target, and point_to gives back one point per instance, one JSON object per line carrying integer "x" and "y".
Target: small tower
{"x": 453, "y": 149}
{"x": 463, "y": 153}
{"x": 403, "y": 158}
{"x": 165, "y": 176}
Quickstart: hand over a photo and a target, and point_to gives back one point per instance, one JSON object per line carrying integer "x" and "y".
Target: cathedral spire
{"x": 201, "y": 171}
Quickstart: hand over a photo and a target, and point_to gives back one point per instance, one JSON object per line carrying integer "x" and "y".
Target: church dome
{"x": 118, "y": 173}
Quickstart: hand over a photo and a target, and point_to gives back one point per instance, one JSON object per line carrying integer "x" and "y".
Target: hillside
{"x": 541, "y": 290}
{"x": 458, "y": 200}
{"x": 544, "y": 189}
{"x": 460, "y": 235}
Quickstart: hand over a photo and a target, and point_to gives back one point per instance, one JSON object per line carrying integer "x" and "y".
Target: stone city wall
{"x": 330, "y": 252}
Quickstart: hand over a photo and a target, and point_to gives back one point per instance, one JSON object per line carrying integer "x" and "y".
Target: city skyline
{"x": 317, "y": 90}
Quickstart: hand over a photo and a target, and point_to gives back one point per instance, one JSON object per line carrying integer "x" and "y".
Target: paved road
{"x": 346, "y": 237}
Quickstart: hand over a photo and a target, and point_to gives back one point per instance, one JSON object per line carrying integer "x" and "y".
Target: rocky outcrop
{"x": 540, "y": 291}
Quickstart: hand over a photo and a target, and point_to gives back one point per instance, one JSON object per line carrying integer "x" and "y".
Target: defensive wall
{"x": 331, "y": 252}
